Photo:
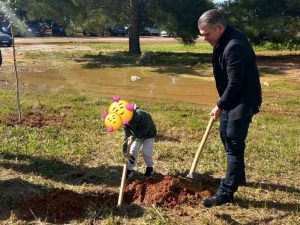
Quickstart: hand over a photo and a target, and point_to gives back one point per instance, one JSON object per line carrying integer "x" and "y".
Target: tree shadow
{"x": 288, "y": 207}
{"x": 31, "y": 202}
{"x": 162, "y": 62}
{"x": 13, "y": 191}
{"x": 181, "y": 62}
{"x": 63, "y": 172}
{"x": 278, "y": 65}
{"x": 274, "y": 187}
{"x": 230, "y": 220}
{"x": 245, "y": 203}
{"x": 291, "y": 58}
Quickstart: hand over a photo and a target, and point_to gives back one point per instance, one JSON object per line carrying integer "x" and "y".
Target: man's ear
{"x": 221, "y": 28}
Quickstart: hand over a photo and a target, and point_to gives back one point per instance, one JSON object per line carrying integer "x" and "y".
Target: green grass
{"x": 156, "y": 47}
{"x": 80, "y": 140}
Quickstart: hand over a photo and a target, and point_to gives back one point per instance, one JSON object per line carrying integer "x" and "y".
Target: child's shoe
{"x": 149, "y": 172}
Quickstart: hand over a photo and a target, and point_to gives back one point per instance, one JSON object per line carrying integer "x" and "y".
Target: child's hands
{"x": 126, "y": 148}
{"x": 130, "y": 141}
{"x": 126, "y": 155}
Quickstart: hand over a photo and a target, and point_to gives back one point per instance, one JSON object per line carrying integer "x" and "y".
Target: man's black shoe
{"x": 217, "y": 200}
{"x": 243, "y": 183}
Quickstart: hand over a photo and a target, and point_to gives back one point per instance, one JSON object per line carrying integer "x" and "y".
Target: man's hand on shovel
{"x": 216, "y": 112}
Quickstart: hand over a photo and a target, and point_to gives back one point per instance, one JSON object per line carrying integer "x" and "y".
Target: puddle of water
{"x": 109, "y": 82}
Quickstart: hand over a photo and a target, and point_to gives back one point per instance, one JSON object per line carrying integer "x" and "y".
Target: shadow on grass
{"x": 230, "y": 220}
{"x": 15, "y": 190}
{"x": 292, "y": 58}
{"x": 204, "y": 178}
{"x": 164, "y": 62}
{"x": 63, "y": 172}
{"x": 274, "y": 187}
{"x": 288, "y": 207}
{"x": 30, "y": 202}
{"x": 181, "y": 62}
{"x": 244, "y": 203}
{"x": 278, "y": 65}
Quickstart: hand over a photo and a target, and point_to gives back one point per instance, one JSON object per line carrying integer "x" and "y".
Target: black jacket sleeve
{"x": 0, "y": 58}
{"x": 235, "y": 59}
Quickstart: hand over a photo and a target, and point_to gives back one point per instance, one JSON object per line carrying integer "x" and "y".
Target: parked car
{"x": 6, "y": 29}
{"x": 5, "y": 39}
{"x": 48, "y": 24}
{"x": 58, "y": 30}
{"x": 167, "y": 34}
{"x": 117, "y": 31}
{"x": 89, "y": 33}
{"x": 151, "y": 32}
{"x": 35, "y": 28}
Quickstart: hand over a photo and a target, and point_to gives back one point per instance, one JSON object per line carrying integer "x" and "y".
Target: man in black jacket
{"x": 238, "y": 85}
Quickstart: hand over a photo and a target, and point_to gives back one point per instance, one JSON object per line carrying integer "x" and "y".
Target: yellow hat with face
{"x": 112, "y": 121}
{"x": 122, "y": 108}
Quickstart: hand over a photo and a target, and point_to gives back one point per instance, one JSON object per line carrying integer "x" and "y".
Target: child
{"x": 139, "y": 130}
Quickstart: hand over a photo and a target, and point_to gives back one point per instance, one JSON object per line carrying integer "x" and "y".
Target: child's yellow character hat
{"x": 112, "y": 121}
{"x": 120, "y": 112}
{"x": 123, "y": 108}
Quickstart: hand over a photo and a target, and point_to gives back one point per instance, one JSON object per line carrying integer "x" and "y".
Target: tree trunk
{"x": 134, "y": 36}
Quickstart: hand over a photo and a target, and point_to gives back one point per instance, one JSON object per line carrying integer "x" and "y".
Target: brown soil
{"x": 166, "y": 191}
{"x": 35, "y": 119}
{"x": 59, "y": 206}
{"x": 56, "y": 206}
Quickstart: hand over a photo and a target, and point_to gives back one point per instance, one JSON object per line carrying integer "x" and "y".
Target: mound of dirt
{"x": 36, "y": 119}
{"x": 59, "y": 206}
{"x": 166, "y": 191}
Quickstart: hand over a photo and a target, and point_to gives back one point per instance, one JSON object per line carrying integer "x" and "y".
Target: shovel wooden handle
{"x": 121, "y": 193}
{"x": 200, "y": 148}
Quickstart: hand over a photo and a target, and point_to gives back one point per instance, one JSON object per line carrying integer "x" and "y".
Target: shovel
{"x": 123, "y": 180}
{"x": 200, "y": 148}
{"x": 122, "y": 186}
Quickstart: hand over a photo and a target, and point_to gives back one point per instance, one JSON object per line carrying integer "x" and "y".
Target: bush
{"x": 292, "y": 44}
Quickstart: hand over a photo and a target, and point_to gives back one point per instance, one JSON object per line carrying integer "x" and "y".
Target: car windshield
{"x": 33, "y": 24}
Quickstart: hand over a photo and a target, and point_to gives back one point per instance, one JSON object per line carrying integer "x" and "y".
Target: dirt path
{"x": 83, "y": 39}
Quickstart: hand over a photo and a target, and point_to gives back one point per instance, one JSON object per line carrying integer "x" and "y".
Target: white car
{"x": 151, "y": 32}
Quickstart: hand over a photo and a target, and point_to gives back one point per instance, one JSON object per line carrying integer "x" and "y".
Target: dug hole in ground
{"x": 61, "y": 205}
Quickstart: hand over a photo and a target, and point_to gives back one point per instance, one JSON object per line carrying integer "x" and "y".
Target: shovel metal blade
{"x": 190, "y": 175}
